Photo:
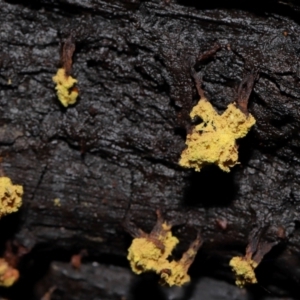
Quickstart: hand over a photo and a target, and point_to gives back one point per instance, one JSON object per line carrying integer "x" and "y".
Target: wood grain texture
{"x": 115, "y": 153}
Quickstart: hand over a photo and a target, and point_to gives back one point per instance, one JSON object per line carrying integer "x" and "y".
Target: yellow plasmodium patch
{"x": 151, "y": 252}
{"x": 65, "y": 90}
{"x": 243, "y": 269}
{"x": 10, "y": 196}
{"x": 56, "y": 202}
{"x": 214, "y": 140}
{"x": 144, "y": 255}
{"x": 8, "y": 275}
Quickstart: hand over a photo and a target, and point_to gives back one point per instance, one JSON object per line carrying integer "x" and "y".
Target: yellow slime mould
{"x": 66, "y": 92}
{"x": 10, "y": 196}
{"x": 8, "y": 275}
{"x": 150, "y": 252}
{"x": 214, "y": 140}
{"x": 243, "y": 267}
{"x": 244, "y": 270}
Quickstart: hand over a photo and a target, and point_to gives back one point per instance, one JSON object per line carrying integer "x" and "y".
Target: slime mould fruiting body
{"x": 243, "y": 269}
{"x": 65, "y": 87}
{"x": 214, "y": 140}
{"x": 10, "y": 196}
{"x": 10, "y": 201}
{"x": 8, "y": 275}
{"x": 151, "y": 252}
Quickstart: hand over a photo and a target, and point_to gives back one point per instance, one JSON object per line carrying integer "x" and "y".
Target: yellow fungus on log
{"x": 244, "y": 270}
{"x": 8, "y": 275}
{"x": 57, "y": 202}
{"x": 10, "y": 196}
{"x": 214, "y": 140}
{"x": 243, "y": 267}
{"x": 145, "y": 255}
{"x": 66, "y": 92}
{"x": 150, "y": 252}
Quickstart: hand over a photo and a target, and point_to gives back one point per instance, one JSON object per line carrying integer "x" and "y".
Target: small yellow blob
{"x": 244, "y": 270}
{"x": 145, "y": 255}
{"x": 8, "y": 275}
{"x": 151, "y": 253}
{"x": 10, "y": 196}
{"x": 56, "y": 202}
{"x": 214, "y": 140}
{"x": 64, "y": 85}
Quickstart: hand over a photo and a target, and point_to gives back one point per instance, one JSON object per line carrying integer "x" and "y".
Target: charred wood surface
{"x": 114, "y": 154}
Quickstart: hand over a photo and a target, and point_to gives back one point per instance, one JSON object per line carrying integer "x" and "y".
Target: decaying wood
{"x": 114, "y": 154}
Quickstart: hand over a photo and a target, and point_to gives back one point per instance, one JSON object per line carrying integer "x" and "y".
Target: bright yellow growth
{"x": 64, "y": 85}
{"x": 10, "y": 196}
{"x": 8, "y": 275}
{"x": 244, "y": 270}
{"x": 151, "y": 252}
{"x": 56, "y": 202}
{"x": 214, "y": 140}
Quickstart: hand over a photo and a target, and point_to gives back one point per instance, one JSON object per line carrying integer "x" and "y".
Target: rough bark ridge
{"x": 114, "y": 154}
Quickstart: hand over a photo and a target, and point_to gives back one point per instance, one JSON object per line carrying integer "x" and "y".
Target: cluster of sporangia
{"x": 10, "y": 201}
{"x": 11, "y": 195}
{"x": 211, "y": 142}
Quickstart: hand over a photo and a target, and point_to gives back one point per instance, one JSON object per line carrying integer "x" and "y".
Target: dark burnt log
{"x": 114, "y": 154}
{"x": 110, "y": 282}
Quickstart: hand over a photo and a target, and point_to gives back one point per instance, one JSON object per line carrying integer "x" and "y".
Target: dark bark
{"x": 115, "y": 153}
{"x": 103, "y": 282}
